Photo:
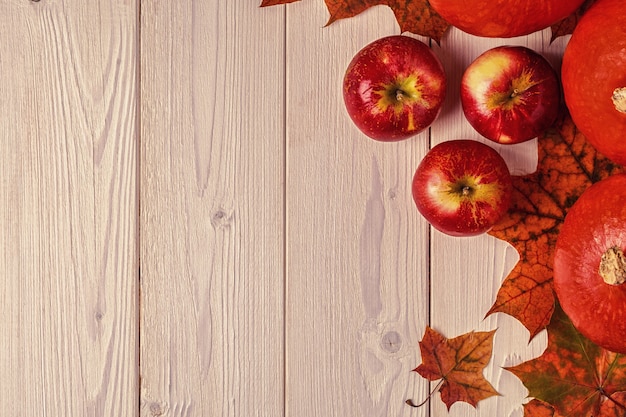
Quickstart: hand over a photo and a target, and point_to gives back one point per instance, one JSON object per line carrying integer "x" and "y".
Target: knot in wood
{"x": 391, "y": 342}
{"x": 220, "y": 219}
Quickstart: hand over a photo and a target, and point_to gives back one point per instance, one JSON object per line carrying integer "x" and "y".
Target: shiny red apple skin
{"x": 462, "y": 187}
{"x": 510, "y": 94}
{"x": 394, "y": 88}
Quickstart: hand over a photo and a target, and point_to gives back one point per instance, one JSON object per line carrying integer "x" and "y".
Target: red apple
{"x": 462, "y": 187}
{"x": 394, "y": 88}
{"x": 510, "y": 94}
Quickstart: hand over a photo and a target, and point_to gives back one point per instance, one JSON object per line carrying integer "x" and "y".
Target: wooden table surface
{"x": 191, "y": 225}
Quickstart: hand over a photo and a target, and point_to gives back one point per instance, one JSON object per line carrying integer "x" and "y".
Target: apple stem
{"x": 466, "y": 190}
{"x": 613, "y": 266}
{"x": 619, "y": 99}
{"x": 400, "y": 95}
{"x": 515, "y": 93}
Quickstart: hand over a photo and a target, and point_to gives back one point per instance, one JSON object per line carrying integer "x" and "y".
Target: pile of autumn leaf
{"x": 573, "y": 377}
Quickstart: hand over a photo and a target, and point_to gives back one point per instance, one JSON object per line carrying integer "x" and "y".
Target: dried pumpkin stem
{"x": 613, "y": 266}
{"x": 619, "y": 99}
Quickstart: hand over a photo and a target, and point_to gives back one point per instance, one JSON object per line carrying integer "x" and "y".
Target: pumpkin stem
{"x": 619, "y": 99}
{"x": 613, "y": 266}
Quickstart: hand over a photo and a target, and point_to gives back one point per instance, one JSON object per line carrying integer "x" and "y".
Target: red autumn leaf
{"x": 567, "y": 25}
{"x": 573, "y": 377}
{"x": 458, "y": 363}
{"x": 567, "y": 165}
{"x": 414, "y": 16}
{"x": 536, "y": 408}
{"x": 417, "y": 17}
{"x": 266, "y": 3}
{"x": 344, "y": 9}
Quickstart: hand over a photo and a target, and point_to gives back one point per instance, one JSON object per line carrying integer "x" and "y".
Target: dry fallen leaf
{"x": 414, "y": 16}
{"x": 458, "y": 363}
{"x": 266, "y": 3}
{"x": 567, "y": 25}
{"x": 573, "y": 377}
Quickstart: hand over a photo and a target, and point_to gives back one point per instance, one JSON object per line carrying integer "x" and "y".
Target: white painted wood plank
{"x": 212, "y": 209}
{"x": 466, "y": 273}
{"x": 68, "y": 310}
{"x": 357, "y": 251}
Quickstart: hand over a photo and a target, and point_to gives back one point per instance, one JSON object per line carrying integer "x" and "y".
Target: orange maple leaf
{"x": 414, "y": 16}
{"x": 573, "y": 377}
{"x": 458, "y": 363}
{"x": 536, "y": 408}
{"x": 567, "y": 166}
{"x": 266, "y": 3}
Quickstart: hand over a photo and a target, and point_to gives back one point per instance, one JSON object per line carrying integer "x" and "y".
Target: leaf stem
{"x": 617, "y": 403}
{"x": 410, "y": 402}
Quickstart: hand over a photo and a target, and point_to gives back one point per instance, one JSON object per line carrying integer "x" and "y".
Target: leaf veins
{"x": 573, "y": 377}
{"x": 458, "y": 363}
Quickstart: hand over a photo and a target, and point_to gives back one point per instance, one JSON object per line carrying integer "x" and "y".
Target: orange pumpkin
{"x": 590, "y": 265}
{"x": 503, "y": 18}
{"x": 594, "y": 77}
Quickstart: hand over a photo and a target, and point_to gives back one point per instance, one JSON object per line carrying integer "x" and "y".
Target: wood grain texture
{"x": 361, "y": 264}
{"x": 212, "y": 209}
{"x": 357, "y": 251}
{"x": 68, "y": 310}
{"x": 284, "y": 268}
